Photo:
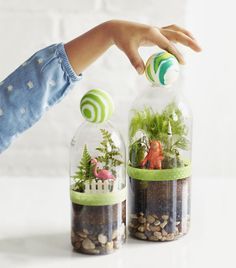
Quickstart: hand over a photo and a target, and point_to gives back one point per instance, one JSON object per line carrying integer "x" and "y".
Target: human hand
{"x": 129, "y": 36}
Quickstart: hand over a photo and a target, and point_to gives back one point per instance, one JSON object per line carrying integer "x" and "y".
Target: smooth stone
{"x": 93, "y": 251}
{"x": 141, "y": 219}
{"x": 77, "y": 245}
{"x": 164, "y": 233}
{"x": 153, "y": 238}
{"x": 140, "y": 235}
{"x": 165, "y": 217}
{"x": 109, "y": 246}
{"x": 170, "y": 237}
{"x": 88, "y": 244}
{"x": 102, "y": 238}
{"x": 85, "y": 231}
{"x": 148, "y": 227}
{"x": 157, "y": 234}
{"x": 163, "y": 224}
{"x": 154, "y": 228}
{"x": 157, "y": 222}
{"x": 150, "y": 219}
{"x": 141, "y": 228}
{"x": 82, "y": 234}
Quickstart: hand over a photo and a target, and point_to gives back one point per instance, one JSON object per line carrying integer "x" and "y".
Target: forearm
{"x": 85, "y": 49}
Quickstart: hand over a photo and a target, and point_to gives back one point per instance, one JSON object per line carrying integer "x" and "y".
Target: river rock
{"x": 150, "y": 219}
{"x": 140, "y": 235}
{"x": 88, "y": 244}
{"x": 102, "y": 238}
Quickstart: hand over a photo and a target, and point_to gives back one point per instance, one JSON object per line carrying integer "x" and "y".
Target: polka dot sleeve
{"x": 39, "y": 83}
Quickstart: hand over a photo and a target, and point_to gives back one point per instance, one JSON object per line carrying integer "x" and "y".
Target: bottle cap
{"x": 96, "y": 106}
{"x": 162, "y": 69}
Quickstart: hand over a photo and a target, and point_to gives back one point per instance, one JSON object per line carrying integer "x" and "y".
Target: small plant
{"x": 109, "y": 152}
{"x": 155, "y": 126}
{"x": 109, "y": 157}
{"x": 84, "y": 171}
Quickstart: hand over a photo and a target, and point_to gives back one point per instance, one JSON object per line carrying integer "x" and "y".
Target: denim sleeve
{"x": 39, "y": 83}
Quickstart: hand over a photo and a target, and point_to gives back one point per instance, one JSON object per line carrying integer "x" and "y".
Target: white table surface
{"x": 35, "y": 229}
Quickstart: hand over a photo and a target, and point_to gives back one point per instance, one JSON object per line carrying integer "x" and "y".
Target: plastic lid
{"x": 162, "y": 69}
{"x": 96, "y": 106}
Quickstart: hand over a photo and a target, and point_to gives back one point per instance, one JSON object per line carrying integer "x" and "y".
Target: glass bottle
{"x": 159, "y": 166}
{"x": 98, "y": 184}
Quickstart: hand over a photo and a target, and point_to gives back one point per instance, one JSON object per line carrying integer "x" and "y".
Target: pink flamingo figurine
{"x": 102, "y": 174}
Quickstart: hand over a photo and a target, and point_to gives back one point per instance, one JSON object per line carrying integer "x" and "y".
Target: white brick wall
{"x": 26, "y": 26}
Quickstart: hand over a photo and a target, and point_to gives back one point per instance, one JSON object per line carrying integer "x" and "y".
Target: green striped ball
{"x": 96, "y": 106}
{"x": 162, "y": 69}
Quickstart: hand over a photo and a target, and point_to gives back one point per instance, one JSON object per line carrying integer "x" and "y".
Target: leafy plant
{"x": 109, "y": 152}
{"x": 84, "y": 172}
{"x": 155, "y": 126}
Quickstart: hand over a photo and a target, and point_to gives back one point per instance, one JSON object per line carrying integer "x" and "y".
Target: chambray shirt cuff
{"x": 66, "y": 64}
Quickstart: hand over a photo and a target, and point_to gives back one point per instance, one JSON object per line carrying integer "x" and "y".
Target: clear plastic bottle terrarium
{"x": 98, "y": 185}
{"x": 160, "y": 156}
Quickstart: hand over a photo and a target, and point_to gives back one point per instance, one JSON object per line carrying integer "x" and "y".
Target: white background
{"x": 209, "y": 77}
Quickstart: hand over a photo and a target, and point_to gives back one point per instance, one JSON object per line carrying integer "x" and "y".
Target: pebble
{"x": 141, "y": 228}
{"x": 102, "y": 238}
{"x": 163, "y": 224}
{"x": 109, "y": 246}
{"x": 94, "y": 251}
{"x": 153, "y": 238}
{"x": 154, "y": 228}
{"x": 85, "y": 231}
{"x": 140, "y": 235}
{"x": 148, "y": 227}
{"x": 164, "y": 233}
{"x": 170, "y": 237}
{"x": 88, "y": 244}
{"x": 82, "y": 234}
{"x": 157, "y": 222}
{"x": 141, "y": 214}
{"x": 77, "y": 244}
{"x": 141, "y": 219}
{"x": 150, "y": 219}
{"x": 165, "y": 217}
{"x": 158, "y": 235}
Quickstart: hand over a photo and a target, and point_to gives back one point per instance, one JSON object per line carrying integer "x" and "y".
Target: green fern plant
{"x": 109, "y": 153}
{"x": 155, "y": 127}
{"x": 84, "y": 172}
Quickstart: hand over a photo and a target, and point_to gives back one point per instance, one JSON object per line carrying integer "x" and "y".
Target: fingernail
{"x": 139, "y": 70}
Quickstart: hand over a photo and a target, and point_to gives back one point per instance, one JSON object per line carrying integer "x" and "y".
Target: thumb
{"x": 135, "y": 59}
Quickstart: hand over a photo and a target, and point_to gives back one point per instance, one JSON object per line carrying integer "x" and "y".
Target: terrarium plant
{"x": 109, "y": 157}
{"x": 84, "y": 171}
{"x": 165, "y": 130}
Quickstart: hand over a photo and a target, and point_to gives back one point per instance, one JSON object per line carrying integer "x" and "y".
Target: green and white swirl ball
{"x": 162, "y": 69}
{"x": 96, "y": 106}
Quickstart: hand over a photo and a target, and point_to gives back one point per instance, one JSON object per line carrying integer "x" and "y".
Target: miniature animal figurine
{"x": 154, "y": 156}
{"x": 102, "y": 174}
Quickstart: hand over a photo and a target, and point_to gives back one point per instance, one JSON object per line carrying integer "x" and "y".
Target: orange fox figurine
{"x": 154, "y": 157}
